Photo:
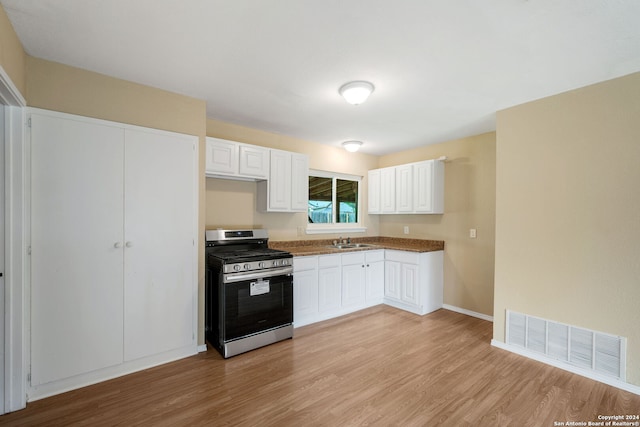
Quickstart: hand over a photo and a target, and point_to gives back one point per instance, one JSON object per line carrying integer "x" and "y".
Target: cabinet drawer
{"x": 329, "y": 261}
{"x": 301, "y": 263}
{"x": 373, "y": 256}
{"x": 402, "y": 256}
{"x": 353, "y": 258}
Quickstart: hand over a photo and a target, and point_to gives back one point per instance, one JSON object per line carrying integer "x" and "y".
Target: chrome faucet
{"x": 349, "y": 240}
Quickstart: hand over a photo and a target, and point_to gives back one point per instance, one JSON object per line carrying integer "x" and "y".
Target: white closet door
{"x": 160, "y": 214}
{"x": 76, "y": 268}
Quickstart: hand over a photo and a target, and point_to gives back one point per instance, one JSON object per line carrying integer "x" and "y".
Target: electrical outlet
{"x": 472, "y": 233}
{"x": 406, "y": 229}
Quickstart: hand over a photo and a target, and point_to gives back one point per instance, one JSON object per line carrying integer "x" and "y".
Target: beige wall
{"x": 232, "y": 204}
{"x": 568, "y": 211}
{"x": 469, "y": 203}
{"x": 58, "y": 87}
{"x": 12, "y": 56}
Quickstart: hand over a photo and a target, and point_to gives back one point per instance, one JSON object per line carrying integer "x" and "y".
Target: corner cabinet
{"x": 234, "y": 160}
{"x": 113, "y": 260}
{"x": 413, "y": 188}
{"x": 287, "y": 188}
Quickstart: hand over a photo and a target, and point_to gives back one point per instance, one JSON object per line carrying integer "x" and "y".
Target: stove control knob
{"x": 247, "y": 266}
{"x": 285, "y": 262}
{"x": 236, "y": 267}
{"x": 275, "y": 263}
{"x": 262, "y": 264}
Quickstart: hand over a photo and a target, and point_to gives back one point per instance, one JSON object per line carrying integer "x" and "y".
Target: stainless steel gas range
{"x": 248, "y": 291}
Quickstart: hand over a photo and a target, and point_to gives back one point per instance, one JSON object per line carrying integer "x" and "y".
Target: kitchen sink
{"x": 352, "y": 246}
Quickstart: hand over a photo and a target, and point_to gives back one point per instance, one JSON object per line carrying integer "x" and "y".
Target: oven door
{"x": 256, "y": 305}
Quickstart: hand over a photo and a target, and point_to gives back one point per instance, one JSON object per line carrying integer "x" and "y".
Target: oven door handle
{"x": 261, "y": 274}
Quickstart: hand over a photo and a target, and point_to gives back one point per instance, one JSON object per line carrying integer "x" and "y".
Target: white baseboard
{"x": 567, "y": 367}
{"x": 202, "y": 348}
{"x": 467, "y": 312}
{"x": 82, "y": 380}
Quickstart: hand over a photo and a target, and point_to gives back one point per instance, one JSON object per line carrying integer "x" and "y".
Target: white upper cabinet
{"x": 414, "y": 188}
{"x": 254, "y": 161}
{"x": 234, "y": 160}
{"x": 388, "y": 190}
{"x": 428, "y": 187}
{"x": 287, "y": 188}
{"x": 404, "y": 188}
{"x": 299, "y": 182}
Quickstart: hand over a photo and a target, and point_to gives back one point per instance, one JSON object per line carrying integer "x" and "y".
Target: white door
{"x": 423, "y": 186}
{"x": 299, "y": 182}
{"x": 404, "y": 188}
{"x": 388, "y": 190}
{"x": 305, "y": 296}
{"x": 2, "y": 289}
{"x": 160, "y": 251}
{"x": 76, "y": 261}
{"x": 329, "y": 289}
{"x": 254, "y": 161}
{"x": 280, "y": 181}
{"x": 353, "y": 284}
{"x": 374, "y": 191}
{"x": 221, "y": 156}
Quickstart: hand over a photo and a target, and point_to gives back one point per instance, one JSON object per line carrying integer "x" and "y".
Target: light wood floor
{"x": 380, "y": 366}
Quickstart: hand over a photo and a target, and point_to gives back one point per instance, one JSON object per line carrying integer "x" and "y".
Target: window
{"x": 334, "y": 202}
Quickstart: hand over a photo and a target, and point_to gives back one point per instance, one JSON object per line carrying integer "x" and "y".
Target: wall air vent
{"x": 591, "y": 350}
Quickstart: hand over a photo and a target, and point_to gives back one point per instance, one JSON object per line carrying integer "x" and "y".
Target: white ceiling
{"x": 441, "y": 68}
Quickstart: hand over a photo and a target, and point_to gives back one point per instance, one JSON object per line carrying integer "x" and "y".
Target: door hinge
{"x": 29, "y": 250}
{"x": 29, "y": 122}
{"x": 29, "y": 377}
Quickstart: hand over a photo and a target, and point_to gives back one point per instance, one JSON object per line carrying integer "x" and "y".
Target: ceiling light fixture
{"x": 356, "y": 92}
{"x": 352, "y": 146}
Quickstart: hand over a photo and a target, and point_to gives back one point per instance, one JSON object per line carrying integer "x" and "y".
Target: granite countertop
{"x": 322, "y": 247}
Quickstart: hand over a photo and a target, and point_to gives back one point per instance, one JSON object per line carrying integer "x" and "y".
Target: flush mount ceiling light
{"x": 352, "y": 146}
{"x": 356, "y": 92}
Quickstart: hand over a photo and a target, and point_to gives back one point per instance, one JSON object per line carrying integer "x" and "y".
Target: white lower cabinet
{"x": 305, "y": 290}
{"x": 414, "y": 281}
{"x": 353, "y": 280}
{"x": 374, "y": 292}
{"x": 113, "y": 262}
{"x": 327, "y": 286}
{"x": 362, "y": 278}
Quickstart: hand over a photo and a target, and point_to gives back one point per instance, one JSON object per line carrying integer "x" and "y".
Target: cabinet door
{"x": 76, "y": 268}
{"x": 423, "y": 186}
{"x": 353, "y": 285}
{"x": 160, "y": 235}
{"x": 329, "y": 289}
{"x": 299, "y": 182}
{"x": 375, "y": 281}
{"x": 410, "y": 285}
{"x": 374, "y": 191}
{"x": 388, "y": 190}
{"x": 254, "y": 161}
{"x": 221, "y": 157}
{"x": 280, "y": 181}
{"x": 392, "y": 280}
{"x": 404, "y": 188}
{"x": 305, "y": 296}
